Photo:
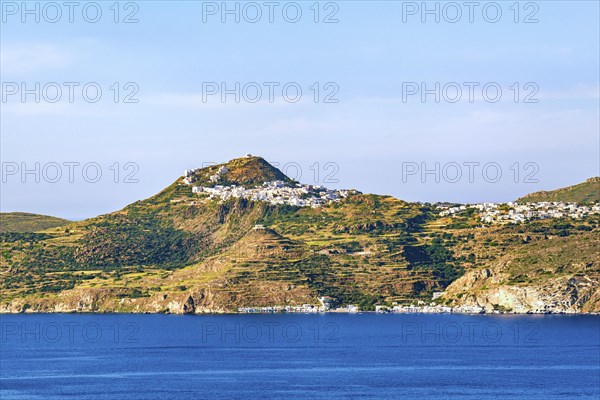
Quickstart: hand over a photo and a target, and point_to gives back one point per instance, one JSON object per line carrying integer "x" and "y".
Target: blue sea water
{"x": 285, "y": 356}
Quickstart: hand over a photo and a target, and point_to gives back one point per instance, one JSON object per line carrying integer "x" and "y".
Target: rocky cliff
{"x": 565, "y": 278}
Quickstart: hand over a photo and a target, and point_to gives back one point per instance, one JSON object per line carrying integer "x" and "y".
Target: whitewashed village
{"x": 497, "y": 213}
{"x": 275, "y": 192}
{"x": 303, "y": 195}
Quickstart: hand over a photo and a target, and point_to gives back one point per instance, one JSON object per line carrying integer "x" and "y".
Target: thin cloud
{"x": 29, "y": 57}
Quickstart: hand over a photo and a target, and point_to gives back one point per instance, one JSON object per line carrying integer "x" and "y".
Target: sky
{"x": 105, "y": 103}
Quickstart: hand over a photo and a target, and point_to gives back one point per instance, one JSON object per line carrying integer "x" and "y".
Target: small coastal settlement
{"x": 326, "y": 306}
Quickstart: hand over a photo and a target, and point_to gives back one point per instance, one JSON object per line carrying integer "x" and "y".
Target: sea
{"x": 299, "y": 356}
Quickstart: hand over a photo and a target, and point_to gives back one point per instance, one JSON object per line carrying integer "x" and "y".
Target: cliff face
{"x": 565, "y": 279}
{"x": 562, "y": 295}
{"x": 576, "y": 294}
{"x": 191, "y": 302}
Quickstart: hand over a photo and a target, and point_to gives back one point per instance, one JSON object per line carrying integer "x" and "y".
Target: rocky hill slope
{"x": 585, "y": 192}
{"x": 556, "y": 275}
{"x": 190, "y": 251}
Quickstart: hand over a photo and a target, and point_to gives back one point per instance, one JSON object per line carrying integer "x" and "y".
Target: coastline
{"x": 219, "y": 312}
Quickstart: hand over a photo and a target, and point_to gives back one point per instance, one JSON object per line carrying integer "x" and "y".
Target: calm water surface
{"x": 330, "y": 356}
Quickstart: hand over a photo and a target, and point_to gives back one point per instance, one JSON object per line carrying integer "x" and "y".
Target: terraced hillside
{"x": 184, "y": 253}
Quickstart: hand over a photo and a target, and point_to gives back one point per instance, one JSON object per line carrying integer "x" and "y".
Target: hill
{"x": 249, "y": 171}
{"x": 25, "y": 222}
{"x": 541, "y": 272}
{"x": 585, "y": 192}
{"x": 242, "y": 234}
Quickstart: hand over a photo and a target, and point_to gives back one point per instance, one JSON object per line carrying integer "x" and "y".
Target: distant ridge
{"x": 27, "y": 222}
{"x": 585, "y": 192}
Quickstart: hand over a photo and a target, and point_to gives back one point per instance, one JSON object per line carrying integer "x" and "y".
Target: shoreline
{"x": 2, "y": 313}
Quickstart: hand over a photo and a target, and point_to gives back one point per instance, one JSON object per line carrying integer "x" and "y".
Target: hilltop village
{"x": 301, "y": 195}
{"x": 274, "y": 192}
{"x": 494, "y": 213}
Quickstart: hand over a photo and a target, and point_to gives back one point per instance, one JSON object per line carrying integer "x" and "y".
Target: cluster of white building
{"x": 515, "y": 212}
{"x": 305, "y": 309}
{"x": 275, "y": 192}
{"x": 429, "y": 309}
{"x": 189, "y": 176}
{"x": 326, "y": 306}
{"x": 399, "y": 309}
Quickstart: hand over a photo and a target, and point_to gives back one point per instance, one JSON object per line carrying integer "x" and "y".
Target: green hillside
{"x": 586, "y": 192}
{"x": 25, "y": 222}
{"x": 183, "y": 252}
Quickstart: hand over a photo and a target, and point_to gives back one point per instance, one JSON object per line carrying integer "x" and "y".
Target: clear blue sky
{"x": 370, "y": 54}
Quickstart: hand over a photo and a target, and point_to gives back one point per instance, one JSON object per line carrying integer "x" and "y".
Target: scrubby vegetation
{"x": 363, "y": 250}
{"x": 584, "y": 193}
{"x": 25, "y": 222}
